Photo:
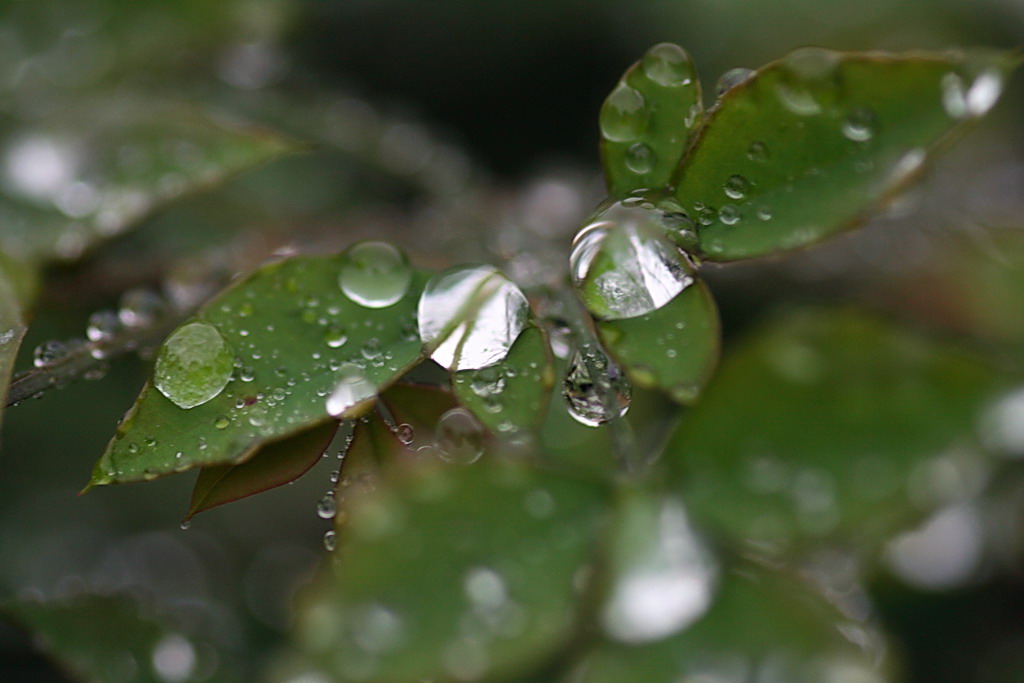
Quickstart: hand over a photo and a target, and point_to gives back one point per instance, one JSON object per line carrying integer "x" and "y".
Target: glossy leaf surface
{"x": 830, "y": 426}
{"x": 647, "y": 120}
{"x": 301, "y": 348}
{"x": 455, "y": 573}
{"x": 808, "y": 144}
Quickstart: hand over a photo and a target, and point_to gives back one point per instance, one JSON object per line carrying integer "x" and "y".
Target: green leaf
{"x": 513, "y": 394}
{"x": 273, "y": 465}
{"x": 107, "y": 639}
{"x": 762, "y": 625}
{"x": 674, "y": 348}
{"x": 304, "y": 352}
{"x": 453, "y": 573}
{"x": 805, "y": 146}
{"x": 830, "y": 426}
{"x": 647, "y": 120}
{"x": 18, "y": 283}
{"x": 111, "y": 165}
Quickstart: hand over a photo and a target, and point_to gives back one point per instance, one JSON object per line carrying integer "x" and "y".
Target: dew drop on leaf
{"x": 623, "y": 264}
{"x": 194, "y": 365}
{"x": 757, "y": 151}
{"x": 731, "y": 78}
{"x": 326, "y": 507}
{"x": 352, "y": 389}
{"x": 640, "y": 158}
{"x": 374, "y": 274}
{"x": 591, "y": 402}
{"x": 49, "y": 353}
{"x": 860, "y": 125}
{"x": 737, "y": 187}
{"x": 668, "y": 64}
{"x": 459, "y": 437}
{"x": 624, "y": 114}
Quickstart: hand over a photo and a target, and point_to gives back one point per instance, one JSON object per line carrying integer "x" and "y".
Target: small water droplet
{"x": 807, "y": 82}
{"x": 731, "y": 78}
{"x": 336, "y": 337}
{"x": 193, "y": 365}
{"x": 374, "y": 274}
{"x": 49, "y": 353}
{"x": 326, "y": 507}
{"x": 668, "y": 64}
{"x": 330, "y": 540}
{"x": 640, "y": 158}
{"x": 729, "y": 214}
{"x": 404, "y": 433}
{"x": 102, "y": 326}
{"x": 140, "y": 308}
{"x": 353, "y": 388}
{"x": 459, "y": 437}
{"x": 624, "y": 266}
{"x": 221, "y": 422}
{"x": 624, "y": 114}
{"x": 763, "y": 213}
{"x": 757, "y": 151}
{"x": 586, "y": 398}
{"x": 185, "y": 525}
{"x": 736, "y": 187}
{"x": 860, "y": 125}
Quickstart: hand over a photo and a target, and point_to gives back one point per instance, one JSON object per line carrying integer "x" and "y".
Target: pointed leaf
{"x": 830, "y": 427}
{"x": 99, "y": 169}
{"x": 273, "y": 465}
{"x": 461, "y": 573}
{"x": 674, "y": 348}
{"x": 304, "y": 353}
{"x": 513, "y": 394}
{"x": 647, "y": 120}
{"x": 805, "y": 146}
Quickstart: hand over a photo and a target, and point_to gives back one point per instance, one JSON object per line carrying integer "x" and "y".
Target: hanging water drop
{"x": 623, "y": 264}
{"x": 326, "y": 507}
{"x": 623, "y": 115}
{"x": 353, "y": 389}
{"x": 330, "y": 540}
{"x": 597, "y": 402}
{"x": 374, "y": 274}
{"x": 669, "y": 65}
{"x": 194, "y": 365}
{"x": 459, "y": 437}
{"x": 471, "y": 316}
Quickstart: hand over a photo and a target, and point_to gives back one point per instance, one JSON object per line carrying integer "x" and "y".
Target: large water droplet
{"x": 640, "y": 158}
{"x": 624, "y": 114}
{"x": 194, "y": 365}
{"x": 731, "y": 78}
{"x": 593, "y": 402}
{"x": 666, "y": 580}
{"x": 471, "y": 315}
{"x": 352, "y": 390}
{"x": 860, "y": 125}
{"x": 807, "y": 82}
{"x": 459, "y": 437}
{"x": 736, "y": 187}
{"x": 326, "y": 507}
{"x": 623, "y": 264}
{"x": 374, "y": 274}
{"x": 668, "y": 64}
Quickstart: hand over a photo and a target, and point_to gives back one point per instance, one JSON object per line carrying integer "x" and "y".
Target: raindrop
{"x": 807, "y": 82}
{"x": 194, "y": 365}
{"x": 139, "y": 308}
{"x": 49, "y": 353}
{"x": 374, "y": 274}
{"x": 330, "y": 540}
{"x": 221, "y": 422}
{"x": 623, "y": 116}
{"x": 640, "y": 158}
{"x": 404, "y": 433}
{"x": 336, "y": 337}
{"x": 729, "y": 214}
{"x": 591, "y": 402}
{"x": 860, "y": 125}
{"x": 624, "y": 266}
{"x": 352, "y": 389}
{"x": 459, "y": 437}
{"x": 326, "y": 507}
{"x": 731, "y": 78}
{"x": 668, "y": 64}
{"x": 487, "y": 382}
{"x": 471, "y": 315}
{"x": 102, "y": 326}
{"x": 757, "y": 151}
{"x": 984, "y": 92}
{"x": 763, "y": 213}
{"x": 737, "y": 187}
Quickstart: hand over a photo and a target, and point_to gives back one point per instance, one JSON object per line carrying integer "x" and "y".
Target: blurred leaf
{"x": 107, "y": 639}
{"x": 99, "y": 169}
{"x": 455, "y": 573}
{"x": 674, "y": 348}
{"x": 18, "y": 283}
{"x": 806, "y": 145}
{"x": 301, "y": 347}
{"x": 513, "y": 394}
{"x": 762, "y": 625}
{"x": 275, "y": 464}
{"x": 647, "y": 120}
{"x": 830, "y": 426}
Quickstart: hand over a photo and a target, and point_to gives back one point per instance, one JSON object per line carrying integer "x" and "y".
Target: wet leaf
{"x": 17, "y": 290}
{"x": 275, "y": 464}
{"x": 512, "y": 395}
{"x": 453, "y": 573}
{"x": 304, "y": 353}
{"x": 135, "y": 645}
{"x": 808, "y": 144}
{"x": 761, "y": 625}
{"x": 647, "y": 120}
{"x": 101, "y": 168}
{"x": 831, "y": 426}
{"x": 674, "y": 348}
